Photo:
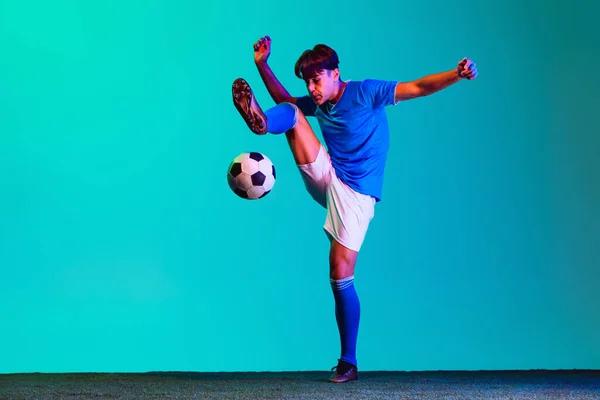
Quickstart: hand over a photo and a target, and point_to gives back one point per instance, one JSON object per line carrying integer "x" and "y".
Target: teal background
{"x": 123, "y": 249}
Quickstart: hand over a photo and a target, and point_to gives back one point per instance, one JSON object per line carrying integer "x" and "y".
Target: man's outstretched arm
{"x": 435, "y": 82}
{"x": 275, "y": 88}
{"x": 262, "y": 50}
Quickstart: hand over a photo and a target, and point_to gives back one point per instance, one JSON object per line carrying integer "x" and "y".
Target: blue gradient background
{"x": 123, "y": 249}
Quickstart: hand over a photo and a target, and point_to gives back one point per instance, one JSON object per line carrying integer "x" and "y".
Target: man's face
{"x": 321, "y": 85}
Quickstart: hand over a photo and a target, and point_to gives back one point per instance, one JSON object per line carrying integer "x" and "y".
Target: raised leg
{"x": 284, "y": 117}
{"x": 302, "y": 141}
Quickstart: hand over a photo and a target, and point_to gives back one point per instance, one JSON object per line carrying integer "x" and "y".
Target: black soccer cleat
{"x": 246, "y": 104}
{"x": 344, "y": 372}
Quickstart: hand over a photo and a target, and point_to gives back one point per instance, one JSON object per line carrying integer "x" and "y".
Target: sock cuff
{"x": 282, "y": 117}
{"x": 296, "y": 110}
{"x": 342, "y": 284}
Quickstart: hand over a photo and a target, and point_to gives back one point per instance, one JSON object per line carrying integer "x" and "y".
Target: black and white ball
{"x": 251, "y": 175}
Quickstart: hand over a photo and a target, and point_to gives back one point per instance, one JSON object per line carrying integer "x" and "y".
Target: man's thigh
{"x": 317, "y": 176}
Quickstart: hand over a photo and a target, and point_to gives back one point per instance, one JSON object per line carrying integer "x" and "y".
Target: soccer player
{"x": 346, "y": 176}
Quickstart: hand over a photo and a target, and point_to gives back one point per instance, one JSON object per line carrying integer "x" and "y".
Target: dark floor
{"x": 574, "y": 384}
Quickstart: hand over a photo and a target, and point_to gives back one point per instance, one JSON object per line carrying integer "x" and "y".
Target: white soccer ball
{"x": 251, "y": 175}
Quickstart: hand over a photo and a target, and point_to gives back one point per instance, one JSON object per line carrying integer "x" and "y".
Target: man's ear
{"x": 336, "y": 74}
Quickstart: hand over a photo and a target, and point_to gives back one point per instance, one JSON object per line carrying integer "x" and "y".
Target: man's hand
{"x": 262, "y": 50}
{"x": 467, "y": 69}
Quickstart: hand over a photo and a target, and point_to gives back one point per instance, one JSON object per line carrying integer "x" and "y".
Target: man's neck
{"x": 340, "y": 92}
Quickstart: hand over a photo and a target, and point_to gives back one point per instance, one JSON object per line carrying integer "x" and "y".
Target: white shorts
{"x": 348, "y": 212}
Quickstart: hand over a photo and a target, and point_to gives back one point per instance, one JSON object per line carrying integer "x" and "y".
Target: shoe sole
{"x": 244, "y": 102}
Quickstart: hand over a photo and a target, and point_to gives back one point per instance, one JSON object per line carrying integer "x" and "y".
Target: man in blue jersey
{"x": 346, "y": 177}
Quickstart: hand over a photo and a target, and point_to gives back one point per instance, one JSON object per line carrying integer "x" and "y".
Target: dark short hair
{"x": 319, "y": 58}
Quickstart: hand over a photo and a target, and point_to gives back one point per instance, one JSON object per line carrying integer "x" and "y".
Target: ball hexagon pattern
{"x": 251, "y": 175}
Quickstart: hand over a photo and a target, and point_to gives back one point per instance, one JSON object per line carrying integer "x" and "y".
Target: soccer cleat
{"x": 246, "y": 104}
{"x": 344, "y": 372}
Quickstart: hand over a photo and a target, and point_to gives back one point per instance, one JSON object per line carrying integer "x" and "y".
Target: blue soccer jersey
{"x": 356, "y": 132}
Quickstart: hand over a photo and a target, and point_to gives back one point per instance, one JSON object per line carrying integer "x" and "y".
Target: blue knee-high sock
{"x": 347, "y": 313}
{"x": 281, "y": 118}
